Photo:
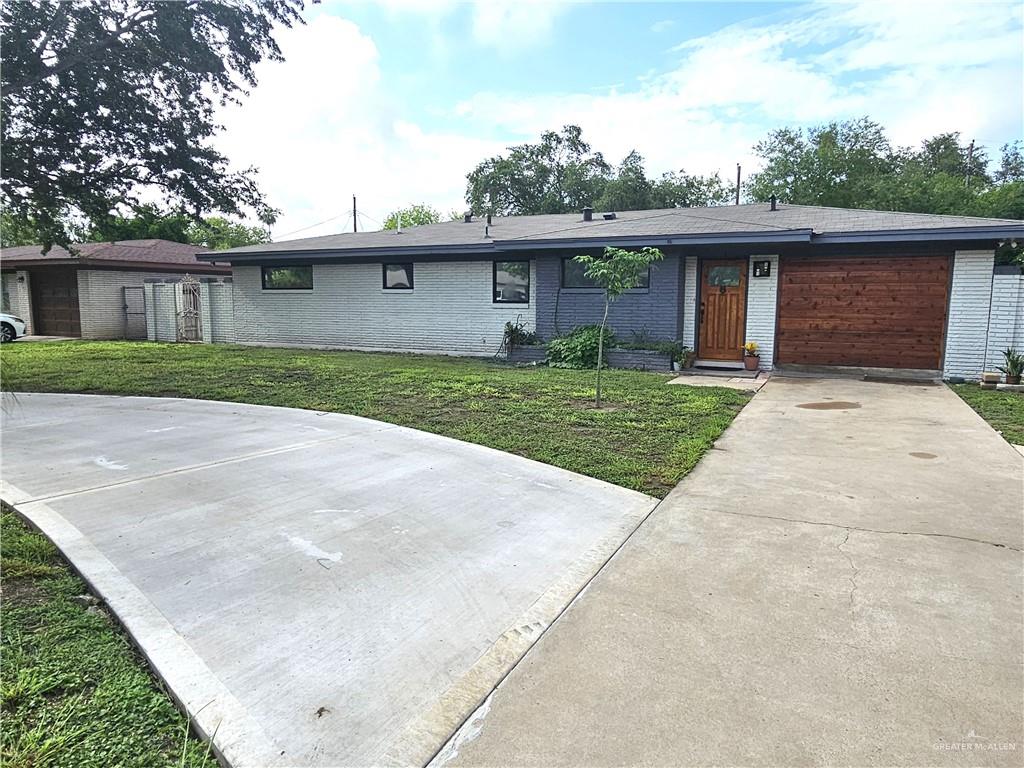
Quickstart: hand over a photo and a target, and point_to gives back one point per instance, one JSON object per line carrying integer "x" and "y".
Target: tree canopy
{"x": 562, "y": 174}
{"x": 412, "y": 216}
{"x": 102, "y": 100}
{"x": 853, "y": 165}
{"x": 214, "y": 232}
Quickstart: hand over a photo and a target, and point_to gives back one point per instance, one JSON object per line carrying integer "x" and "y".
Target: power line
{"x": 347, "y": 215}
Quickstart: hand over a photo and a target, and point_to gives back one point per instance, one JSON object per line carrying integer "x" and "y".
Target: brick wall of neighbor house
{"x": 18, "y": 296}
{"x": 690, "y": 302}
{"x": 101, "y": 299}
{"x": 654, "y": 311}
{"x": 762, "y": 295}
{"x": 970, "y": 298}
{"x": 1006, "y": 318}
{"x": 450, "y": 309}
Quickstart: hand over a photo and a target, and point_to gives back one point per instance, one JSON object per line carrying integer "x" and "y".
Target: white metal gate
{"x": 189, "y": 309}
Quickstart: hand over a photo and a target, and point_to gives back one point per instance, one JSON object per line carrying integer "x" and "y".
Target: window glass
{"x": 398, "y": 276}
{"x": 287, "y": 278}
{"x": 574, "y": 276}
{"x": 512, "y": 282}
{"x": 725, "y": 276}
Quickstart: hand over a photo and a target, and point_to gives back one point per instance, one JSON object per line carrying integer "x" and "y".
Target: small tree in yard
{"x": 616, "y": 271}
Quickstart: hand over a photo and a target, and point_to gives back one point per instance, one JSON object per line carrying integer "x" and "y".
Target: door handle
{"x": 702, "y": 311}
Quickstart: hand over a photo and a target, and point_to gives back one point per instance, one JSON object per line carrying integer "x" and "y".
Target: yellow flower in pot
{"x": 751, "y": 360}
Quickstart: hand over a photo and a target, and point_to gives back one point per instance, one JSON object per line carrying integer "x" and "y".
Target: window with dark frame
{"x": 511, "y": 283}
{"x": 287, "y": 278}
{"x": 574, "y": 276}
{"x": 397, "y": 277}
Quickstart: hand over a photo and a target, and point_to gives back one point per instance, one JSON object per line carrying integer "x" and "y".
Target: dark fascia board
{"x": 904, "y": 235}
{"x": 379, "y": 252}
{"x": 498, "y": 246}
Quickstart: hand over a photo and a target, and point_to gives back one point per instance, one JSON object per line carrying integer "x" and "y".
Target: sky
{"x": 397, "y": 101}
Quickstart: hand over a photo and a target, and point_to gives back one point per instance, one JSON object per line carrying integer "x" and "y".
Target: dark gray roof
{"x": 721, "y": 224}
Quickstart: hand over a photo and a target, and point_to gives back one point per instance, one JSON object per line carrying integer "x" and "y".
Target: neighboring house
{"x": 84, "y": 293}
{"x": 812, "y": 286}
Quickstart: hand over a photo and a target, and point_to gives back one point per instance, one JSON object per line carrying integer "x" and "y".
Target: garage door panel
{"x": 843, "y": 290}
{"x": 873, "y": 311}
{"x": 889, "y": 325}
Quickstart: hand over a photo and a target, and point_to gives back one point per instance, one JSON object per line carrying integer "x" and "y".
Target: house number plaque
{"x": 762, "y": 269}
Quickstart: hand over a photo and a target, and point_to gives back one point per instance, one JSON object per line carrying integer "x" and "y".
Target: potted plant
{"x": 1014, "y": 365}
{"x": 688, "y": 357}
{"x": 751, "y": 360}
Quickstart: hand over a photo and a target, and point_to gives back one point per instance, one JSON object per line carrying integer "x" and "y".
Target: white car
{"x": 11, "y": 327}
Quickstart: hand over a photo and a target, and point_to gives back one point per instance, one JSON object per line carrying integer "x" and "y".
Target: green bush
{"x": 578, "y": 349}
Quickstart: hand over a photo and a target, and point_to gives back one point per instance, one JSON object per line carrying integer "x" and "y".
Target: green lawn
{"x": 74, "y": 692}
{"x": 647, "y": 437}
{"x": 1003, "y": 410}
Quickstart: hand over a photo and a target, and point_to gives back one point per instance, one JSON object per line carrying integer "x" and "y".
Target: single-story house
{"x": 813, "y": 286}
{"x": 95, "y": 292}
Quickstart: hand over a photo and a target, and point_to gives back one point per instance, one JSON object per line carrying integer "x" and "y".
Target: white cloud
{"x": 662, "y": 25}
{"x": 323, "y": 124}
{"x": 508, "y": 25}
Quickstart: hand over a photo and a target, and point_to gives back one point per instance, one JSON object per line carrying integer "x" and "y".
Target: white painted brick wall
{"x": 690, "y": 302}
{"x": 969, "y": 303}
{"x": 762, "y": 295}
{"x": 222, "y": 315}
{"x": 450, "y": 310}
{"x": 19, "y": 296}
{"x": 161, "y": 312}
{"x": 1006, "y": 318}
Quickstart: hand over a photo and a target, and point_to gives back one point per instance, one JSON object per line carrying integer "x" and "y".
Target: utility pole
{"x": 970, "y": 160}
{"x": 355, "y": 222}
{"x": 737, "y": 183}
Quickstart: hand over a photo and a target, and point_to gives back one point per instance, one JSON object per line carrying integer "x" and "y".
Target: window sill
{"x": 600, "y": 291}
{"x": 398, "y": 291}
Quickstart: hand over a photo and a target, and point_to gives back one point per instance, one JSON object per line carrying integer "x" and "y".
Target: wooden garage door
{"x": 55, "y": 302}
{"x": 877, "y": 311}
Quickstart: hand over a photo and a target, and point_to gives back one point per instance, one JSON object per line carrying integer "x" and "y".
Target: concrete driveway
{"x": 838, "y": 583}
{"x": 318, "y": 589}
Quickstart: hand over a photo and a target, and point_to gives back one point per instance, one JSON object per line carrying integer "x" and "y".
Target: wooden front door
{"x": 55, "y": 301}
{"x": 723, "y": 310}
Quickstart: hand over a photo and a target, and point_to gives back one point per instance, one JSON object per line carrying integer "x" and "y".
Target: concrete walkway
{"x": 838, "y": 583}
{"x": 318, "y": 589}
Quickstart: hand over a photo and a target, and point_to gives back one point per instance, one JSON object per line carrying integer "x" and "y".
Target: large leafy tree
{"x": 412, "y": 216}
{"x": 559, "y": 174}
{"x": 148, "y": 222}
{"x": 853, "y": 165}
{"x": 105, "y": 99}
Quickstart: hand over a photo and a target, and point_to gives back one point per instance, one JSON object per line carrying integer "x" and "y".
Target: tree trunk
{"x": 600, "y": 352}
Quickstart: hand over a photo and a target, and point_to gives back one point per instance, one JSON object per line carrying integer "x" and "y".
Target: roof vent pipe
{"x": 774, "y": 200}
{"x": 588, "y": 214}
{"x": 468, "y": 217}
{"x": 487, "y": 231}
{"x": 608, "y": 216}
{"x": 488, "y": 219}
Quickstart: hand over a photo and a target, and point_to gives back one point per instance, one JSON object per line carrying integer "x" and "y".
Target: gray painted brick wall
{"x": 655, "y": 310}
